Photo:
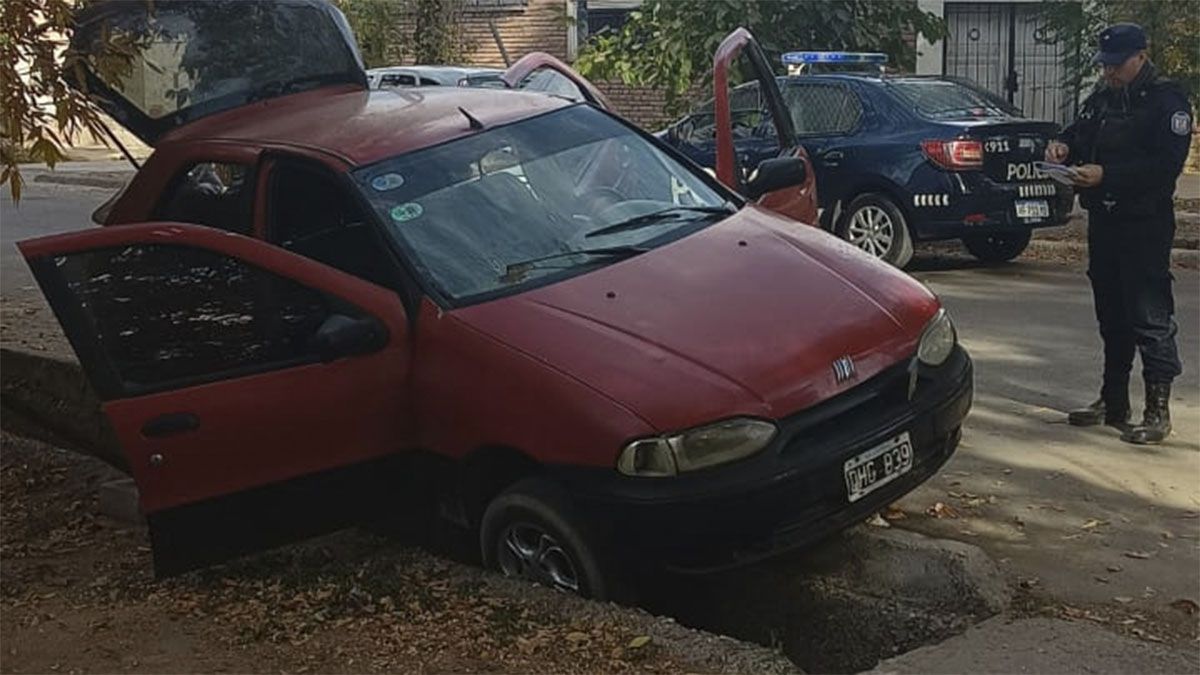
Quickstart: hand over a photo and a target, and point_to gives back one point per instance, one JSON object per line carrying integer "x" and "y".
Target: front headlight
{"x": 938, "y": 340}
{"x": 713, "y": 444}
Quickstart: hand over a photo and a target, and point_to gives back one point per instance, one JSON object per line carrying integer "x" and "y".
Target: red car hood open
{"x": 744, "y": 317}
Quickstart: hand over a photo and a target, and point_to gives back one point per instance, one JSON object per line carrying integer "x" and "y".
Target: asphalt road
{"x": 1075, "y": 513}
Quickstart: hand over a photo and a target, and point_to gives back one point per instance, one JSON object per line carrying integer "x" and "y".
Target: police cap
{"x": 1119, "y": 42}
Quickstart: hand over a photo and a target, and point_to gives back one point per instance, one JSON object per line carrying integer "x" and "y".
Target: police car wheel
{"x": 874, "y": 224}
{"x": 996, "y": 248}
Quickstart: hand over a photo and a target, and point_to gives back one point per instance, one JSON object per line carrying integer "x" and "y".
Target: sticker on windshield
{"x": 388, "y": 181}
{"x": 406, "y": 212}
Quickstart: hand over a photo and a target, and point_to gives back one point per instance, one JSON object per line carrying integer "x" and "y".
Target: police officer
{"x": 1129, "y": 144}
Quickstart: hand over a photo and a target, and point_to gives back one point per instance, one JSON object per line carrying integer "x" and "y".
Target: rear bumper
{"x": 793, "y": 493}
{"x": 974, "y": 204}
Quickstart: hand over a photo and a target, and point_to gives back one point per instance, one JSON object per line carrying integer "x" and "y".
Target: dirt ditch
{"x": 78, "y": 596}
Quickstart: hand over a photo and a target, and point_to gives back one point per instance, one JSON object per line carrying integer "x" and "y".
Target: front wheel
{"x": 995, "y": 248}
{"x": 875, "y": 225}
{"x": 531, "y": 532}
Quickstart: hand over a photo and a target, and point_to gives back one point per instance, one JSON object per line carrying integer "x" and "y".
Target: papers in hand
{"x": 1067, "y": 175}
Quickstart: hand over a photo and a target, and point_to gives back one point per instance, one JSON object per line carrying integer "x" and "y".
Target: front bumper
{"x": 793, "y": 493}
{"x": 972, "y": 204}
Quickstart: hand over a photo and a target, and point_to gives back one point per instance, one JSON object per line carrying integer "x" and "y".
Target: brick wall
{"x": 644, "y": 106}
{"x": 536, "y": 26}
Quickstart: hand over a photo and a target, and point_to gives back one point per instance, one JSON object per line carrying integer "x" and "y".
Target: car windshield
{"x": 946, "y": 99}
{"x": 536, "y": 201}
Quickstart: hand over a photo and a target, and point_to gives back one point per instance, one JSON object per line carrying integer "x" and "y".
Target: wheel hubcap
{"x": 529, "y": 552}
{"x": 871, "y": 229}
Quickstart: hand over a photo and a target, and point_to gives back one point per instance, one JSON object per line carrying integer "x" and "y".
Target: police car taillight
{"x": 957, "y": 155}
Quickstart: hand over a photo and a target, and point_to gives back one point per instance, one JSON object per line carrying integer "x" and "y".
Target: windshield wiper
{"x": 514, "y": 272}
{"x": 656, "y": 217}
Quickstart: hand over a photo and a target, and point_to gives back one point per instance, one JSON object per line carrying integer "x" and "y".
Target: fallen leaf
{"x": 1138, "y": 555}
{"x": 639, "y": 642}
{"x": 1103, "y": 580}
{"x": 877, "y": 521}
{"x": 1007, "y": 471}
{"x": 1028, "y": 582}
{"x": 1123, "y": 599}
{"x": 1167, "y": 535}
{"x": 894, "y": 512}
{"x": 941, "y": 510}
{"x": 1114, "y": 568}
{"x": 1186, "y": 606}
{"x": 1018, "y": 521}
{"x": 1093, "y": 524}
{"x": 576, "y": 636}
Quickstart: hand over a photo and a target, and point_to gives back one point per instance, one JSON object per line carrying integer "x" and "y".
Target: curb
{"x": 1180, "y": 257}
{"x": 49, "y": 399}
{"x": 97, "y": 180}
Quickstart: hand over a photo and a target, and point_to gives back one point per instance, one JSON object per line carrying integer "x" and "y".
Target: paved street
{"x": 1070, "y": 514}
{"x": 1058, "y": 506}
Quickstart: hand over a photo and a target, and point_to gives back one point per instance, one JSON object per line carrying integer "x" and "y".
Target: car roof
{"x": 365, "y": 126}
{"x": 872, "y": 78}
{"x": 449, "y": 72}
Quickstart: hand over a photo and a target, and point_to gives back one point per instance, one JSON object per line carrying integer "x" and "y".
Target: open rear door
{"x": 256, "y": 394}
{"x": 155, "y": 66}
{"x": 539, "y": 71}
{"x": 799, "y": 202}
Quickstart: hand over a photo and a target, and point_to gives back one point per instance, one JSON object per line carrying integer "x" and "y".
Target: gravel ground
{"x": 78, "y": 596}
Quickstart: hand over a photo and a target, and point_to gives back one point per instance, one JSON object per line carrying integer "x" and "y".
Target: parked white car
{"x": 422, "y": 76}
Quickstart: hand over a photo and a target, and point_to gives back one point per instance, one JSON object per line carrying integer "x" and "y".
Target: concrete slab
{"x": 1005, "y": 645}
{"x": 118, "y": 499}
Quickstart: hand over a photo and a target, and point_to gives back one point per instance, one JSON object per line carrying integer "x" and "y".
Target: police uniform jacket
{"x": 1140, "y": 135}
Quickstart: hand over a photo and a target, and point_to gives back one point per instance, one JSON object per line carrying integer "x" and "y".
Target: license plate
{"x": 878, "y": 466}
{"x": 1033, "y": 208}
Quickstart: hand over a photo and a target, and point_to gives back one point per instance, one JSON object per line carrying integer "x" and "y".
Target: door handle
{"x": 831, "y": 156}
{"x": 170, "y": 424}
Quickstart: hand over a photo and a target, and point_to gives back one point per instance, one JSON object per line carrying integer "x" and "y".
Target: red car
{"x": 583, "y": 348}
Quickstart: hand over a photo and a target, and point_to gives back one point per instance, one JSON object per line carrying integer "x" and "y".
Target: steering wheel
{"x": 598, "y": 199}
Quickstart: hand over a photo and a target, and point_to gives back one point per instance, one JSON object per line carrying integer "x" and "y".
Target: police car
{"x": 900, "y": 158}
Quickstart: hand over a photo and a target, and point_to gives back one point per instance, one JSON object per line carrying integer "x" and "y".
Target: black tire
{"x": 873, "y": 223}
{"x": 534, "y": 508}
{"x": 1000, "y": 247}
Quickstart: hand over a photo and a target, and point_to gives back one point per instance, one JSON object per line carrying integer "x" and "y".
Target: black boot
{"x": 1156, "y": 420}
{"x": 1111, "y": 409}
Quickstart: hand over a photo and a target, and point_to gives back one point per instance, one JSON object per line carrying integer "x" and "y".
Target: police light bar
{"x": 801, "y": 58}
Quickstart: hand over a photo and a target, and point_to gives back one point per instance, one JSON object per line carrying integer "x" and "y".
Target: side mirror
{"x": 340, "y": 335}
{"x": 776, "y": 174}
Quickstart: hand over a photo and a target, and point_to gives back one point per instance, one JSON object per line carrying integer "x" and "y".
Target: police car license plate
{"x": 878, "y": 466}
{"x": 1033, "y": 208}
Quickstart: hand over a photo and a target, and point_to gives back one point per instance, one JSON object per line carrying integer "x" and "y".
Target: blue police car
{"x": 900, "y": 158}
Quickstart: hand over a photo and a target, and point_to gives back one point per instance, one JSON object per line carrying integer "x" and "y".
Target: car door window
{"x": 748, "y": 113}
{"x": 166, "y": 316}
{"x": 216, "y": 194}
{"x": 310, "y": 214}
{"x": 822, "y": 109}
{"x": 397, "y": 80}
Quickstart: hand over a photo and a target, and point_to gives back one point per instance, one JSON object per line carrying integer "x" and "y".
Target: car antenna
{"x": 475, "y": 124}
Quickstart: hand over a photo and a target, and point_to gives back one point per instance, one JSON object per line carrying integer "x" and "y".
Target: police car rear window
{"x": 943, "y": 99}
